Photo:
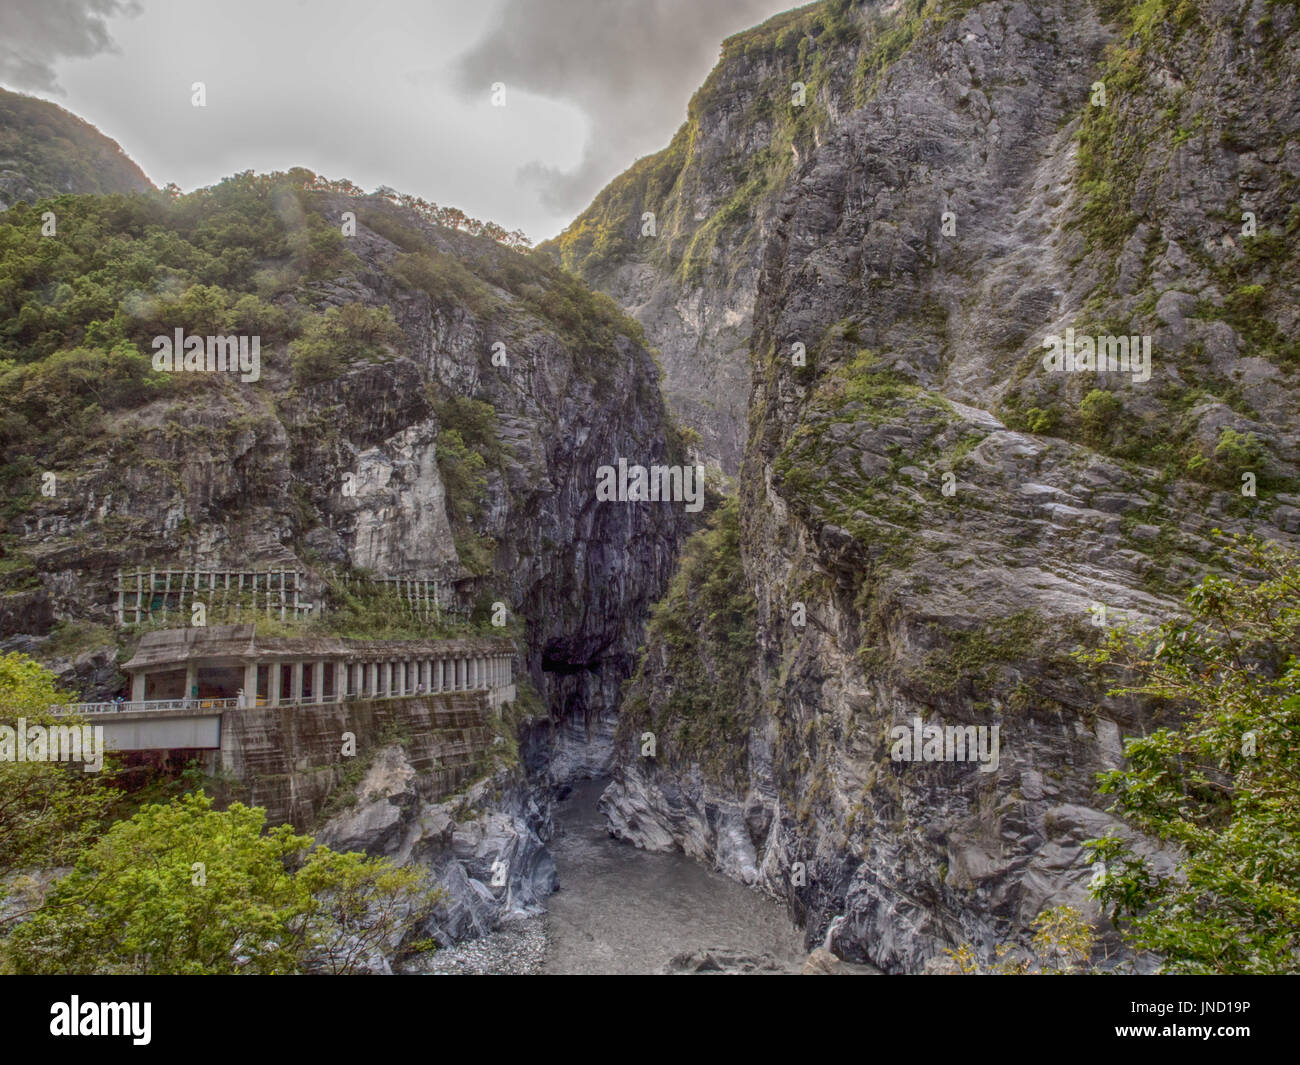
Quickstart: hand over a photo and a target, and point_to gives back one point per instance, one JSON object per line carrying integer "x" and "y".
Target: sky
{"x": 385, "y": 92}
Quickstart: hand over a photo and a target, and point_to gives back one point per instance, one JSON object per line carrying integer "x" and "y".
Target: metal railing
{"x": 140, "y": 706}
{"x": 200, "y": 705}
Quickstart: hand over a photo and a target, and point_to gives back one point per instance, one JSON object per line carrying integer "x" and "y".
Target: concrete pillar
{"x": 386, "y": 678}
{"x": 318, "y": 682}
{"x": 274, "y": 678}
{"x": 404, "y": 685}
{"x": 191, "y": 678}
{"x": 250, "y": 683}
{"x": 372, "y": 686}
{"x": 295, "y": 682}
{"x": 137, "y": 687}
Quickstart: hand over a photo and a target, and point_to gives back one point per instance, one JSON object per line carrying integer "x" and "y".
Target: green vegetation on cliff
{"x": 1222, "y": 787}
{"x": 50, "y": 811}
{"x": 265, "y": 256}
{"x": 837, "y": 50}
{"x": 183, "y": 889}
{"x": 694, "y": 688}
{"x": 51, "y": 151}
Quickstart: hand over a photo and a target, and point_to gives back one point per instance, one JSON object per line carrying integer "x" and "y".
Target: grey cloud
{"x": 629, "y": 65}
{"x": 36, "y": 34}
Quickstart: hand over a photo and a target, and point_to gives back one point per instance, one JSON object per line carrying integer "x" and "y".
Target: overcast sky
{"x": 383, "y": 92}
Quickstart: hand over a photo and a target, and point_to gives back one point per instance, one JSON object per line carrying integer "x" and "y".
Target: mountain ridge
{"x": 46, "y": 150}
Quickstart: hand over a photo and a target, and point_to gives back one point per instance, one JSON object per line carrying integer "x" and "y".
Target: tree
{"x": 1221, "y": 787}
{"x": 341, "y": 338}
{"x": 48, "y": 810}
{"x": 182, "y": 888}
{"x": 1064, "y": 943}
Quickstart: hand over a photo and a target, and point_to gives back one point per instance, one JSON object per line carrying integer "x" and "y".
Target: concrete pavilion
{"x": 215, "y": 663}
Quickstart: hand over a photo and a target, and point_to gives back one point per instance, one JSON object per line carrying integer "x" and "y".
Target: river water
{"x": 620, "y": 910}
{"x": 624, "y": 910}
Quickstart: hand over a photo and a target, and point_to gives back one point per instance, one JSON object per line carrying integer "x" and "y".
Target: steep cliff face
{"x": 46, "y": 151}
{"x": 485, "y": 847}
{"x": 677, "y": 240}
{"x": 427, "y": 403}
{"x": 931, "y": 518}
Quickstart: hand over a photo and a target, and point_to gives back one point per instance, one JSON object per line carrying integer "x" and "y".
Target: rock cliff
{"x": 428, "y": 402}
{"x": 930, "y": 518}
{"x": 347, "y": 468}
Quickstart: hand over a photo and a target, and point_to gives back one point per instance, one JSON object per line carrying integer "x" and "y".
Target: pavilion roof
{"x": 170, "y": 646}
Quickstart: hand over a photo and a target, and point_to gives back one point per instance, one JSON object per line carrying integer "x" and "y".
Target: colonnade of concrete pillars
{"x": 381, "y": 678}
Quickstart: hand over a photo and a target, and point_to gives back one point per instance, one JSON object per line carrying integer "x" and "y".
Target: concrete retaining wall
{"x": 289, "y": 758}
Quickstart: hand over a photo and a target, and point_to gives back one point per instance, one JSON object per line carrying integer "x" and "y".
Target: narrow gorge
{"x": 837, "y": 292}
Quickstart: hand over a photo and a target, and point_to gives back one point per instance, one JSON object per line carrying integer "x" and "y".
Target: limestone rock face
{"x": 401, "y": 514}
{"x": 484, "y": 848}
{"x": 931, "y": 518}
{"x": 692, "y": 283}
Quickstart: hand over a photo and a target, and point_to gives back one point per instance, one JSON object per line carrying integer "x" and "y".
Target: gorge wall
{"x": 928, "y": 519}
{"x": 343, "y": 467}
{"x": 429, "y": 401}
